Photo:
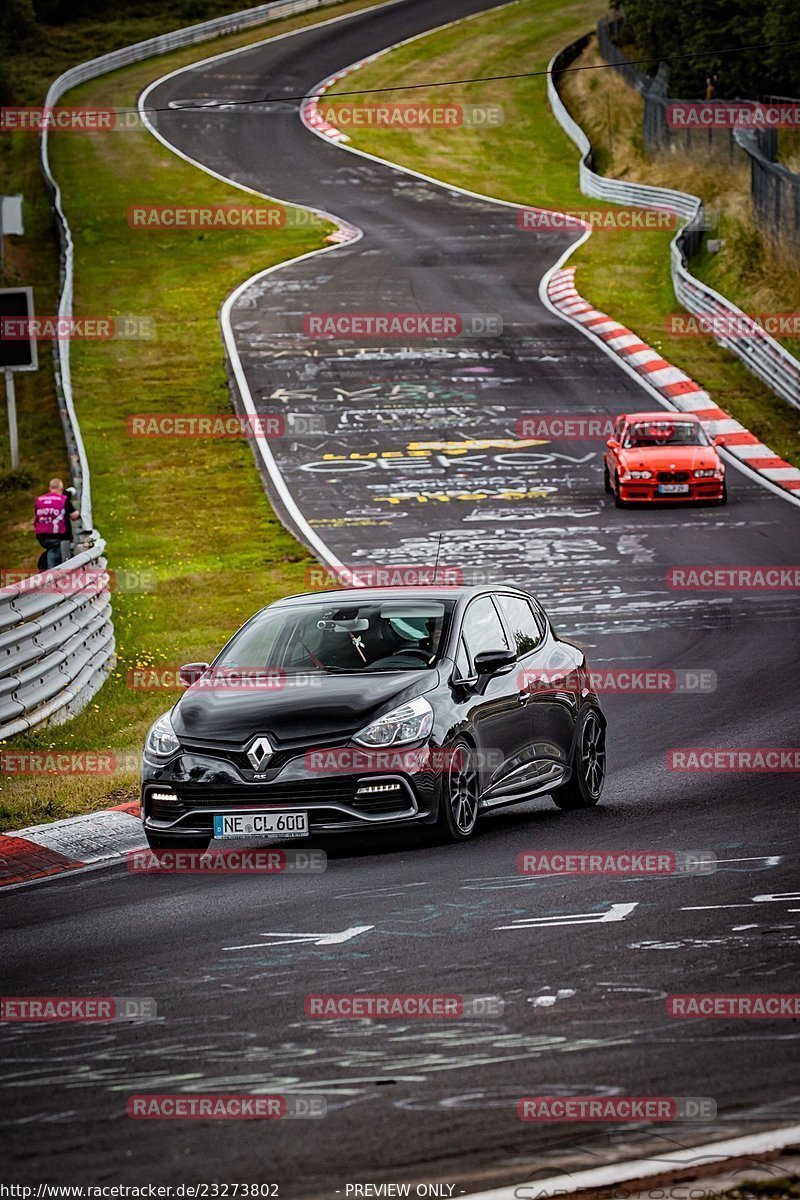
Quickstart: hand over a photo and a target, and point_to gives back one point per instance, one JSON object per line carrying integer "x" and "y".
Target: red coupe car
{"x": 663, "y": 457}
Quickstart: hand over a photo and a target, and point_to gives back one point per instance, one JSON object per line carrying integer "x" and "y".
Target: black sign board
{"x": 17, "y": 352}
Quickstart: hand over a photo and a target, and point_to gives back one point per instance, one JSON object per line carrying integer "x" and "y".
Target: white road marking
{"x": 770, "y": 860}
{"x": 617, "y": 912}
{"x": 389, "y": 890}
{"x": 316, "y": 939}
{"x": 767, "y": 898}
{"x": 708, "y": 907}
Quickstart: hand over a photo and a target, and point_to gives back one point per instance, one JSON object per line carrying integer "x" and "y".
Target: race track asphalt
{"x": 584, "y": 1000}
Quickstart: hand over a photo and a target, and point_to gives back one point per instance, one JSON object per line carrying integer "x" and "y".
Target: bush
{"x": 16, "y": 481}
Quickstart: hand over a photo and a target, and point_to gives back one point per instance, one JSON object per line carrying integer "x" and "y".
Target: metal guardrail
{"x": 56, "y": 642}
{"x": 760, "y": 353}
{"x": 56, "y": 633}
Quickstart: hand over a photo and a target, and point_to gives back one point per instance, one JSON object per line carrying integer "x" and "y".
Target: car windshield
{"x": 665, "y": 433}
{"x": 372, "y": 635}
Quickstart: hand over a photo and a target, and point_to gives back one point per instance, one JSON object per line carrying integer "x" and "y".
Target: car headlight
{"x": 408, "y": 723}
{"x": 161, "y": 740}
{"x": 641, "y": 474}
{"x": 707, "y": 473}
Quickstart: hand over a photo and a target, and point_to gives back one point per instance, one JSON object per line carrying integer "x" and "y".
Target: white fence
{"x": 765, "y": 357}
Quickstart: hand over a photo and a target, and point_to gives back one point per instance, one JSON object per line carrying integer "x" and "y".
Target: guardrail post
{"x": 13, "y": 435}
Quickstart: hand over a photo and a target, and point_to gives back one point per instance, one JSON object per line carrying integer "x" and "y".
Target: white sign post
{"x": 11, "y": 404}
{"x": 10, "y": 221}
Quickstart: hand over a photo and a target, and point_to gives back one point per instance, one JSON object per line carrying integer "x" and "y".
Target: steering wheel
{"x": 423, "y": 654}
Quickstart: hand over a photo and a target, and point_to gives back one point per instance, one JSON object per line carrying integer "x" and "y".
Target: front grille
{"x": 237, "y": 755}
{"x": 311, "y": 793}
{"x": 673, "y": 476}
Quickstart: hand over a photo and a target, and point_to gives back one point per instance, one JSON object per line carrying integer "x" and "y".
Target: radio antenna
{"x": 438, "y": 552}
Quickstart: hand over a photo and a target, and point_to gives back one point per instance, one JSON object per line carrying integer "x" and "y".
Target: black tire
{"x": 458, "y": 803}
{"x": 165, "y": 841}
{"x": 617, "y": 501}
{"x": 607, "y": 482}
{"x": 585, "y": 784}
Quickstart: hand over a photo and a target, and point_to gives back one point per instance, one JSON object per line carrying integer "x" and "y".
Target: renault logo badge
{"x": 260, "y": 752}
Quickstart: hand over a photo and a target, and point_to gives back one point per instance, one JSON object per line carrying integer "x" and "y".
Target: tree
{"x": 694, "y": 35}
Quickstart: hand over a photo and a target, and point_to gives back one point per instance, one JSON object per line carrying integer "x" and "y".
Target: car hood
{"x": 666, "y": 458}
{"x": 310, "y": 708}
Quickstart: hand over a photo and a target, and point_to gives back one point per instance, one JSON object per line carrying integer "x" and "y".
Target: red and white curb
{"x": 309, "y": 109}
{"x": 675, "y": 387}
{"x": 314, "y": 120}
{"x": 69, "y": 845}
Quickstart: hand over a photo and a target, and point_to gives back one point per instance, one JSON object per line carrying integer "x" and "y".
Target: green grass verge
{"x": 192, "y": 511}
{"x": 530, "y": 160}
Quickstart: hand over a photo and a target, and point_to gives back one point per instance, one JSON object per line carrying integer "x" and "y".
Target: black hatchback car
{"x": 346, "y": 710}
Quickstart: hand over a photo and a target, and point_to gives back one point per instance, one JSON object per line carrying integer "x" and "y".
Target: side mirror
{"x": 190, "y": 673}
{"x": 720, "y": 439}
{"x": 494, "y": 662}
{"x": 612, "y": 443}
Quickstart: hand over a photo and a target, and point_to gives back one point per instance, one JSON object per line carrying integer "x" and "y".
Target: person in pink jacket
{"x": 53, "y": 513}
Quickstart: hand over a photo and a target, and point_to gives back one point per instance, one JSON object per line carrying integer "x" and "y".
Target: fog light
{"x": 373, "y": 788}
{"x": 163, "y": 796}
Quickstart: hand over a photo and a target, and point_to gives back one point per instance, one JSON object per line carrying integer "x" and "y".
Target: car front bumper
{"x": 646, "y": 490}
{"x": 182, "y": 796}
